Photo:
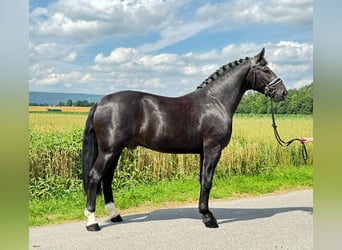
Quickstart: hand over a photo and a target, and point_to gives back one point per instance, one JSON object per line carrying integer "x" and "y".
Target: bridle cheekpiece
{"x": 270, "y": 87}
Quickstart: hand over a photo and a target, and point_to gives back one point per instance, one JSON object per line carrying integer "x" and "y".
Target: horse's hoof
{"x": 93, "y": 227}
{"x": 117, "y": 218}
{"x": 212, "y": 223}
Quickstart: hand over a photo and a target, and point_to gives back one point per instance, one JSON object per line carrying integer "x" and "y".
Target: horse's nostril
{"x": 284, "y": 92}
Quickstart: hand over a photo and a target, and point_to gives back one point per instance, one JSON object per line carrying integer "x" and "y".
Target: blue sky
{"x": 162, "y": 46}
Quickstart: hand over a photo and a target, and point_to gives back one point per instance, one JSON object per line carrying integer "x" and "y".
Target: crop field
{"x": 63, "y": 109}
{"x": 252, "y": 163}
{"x": 56, "y": 141}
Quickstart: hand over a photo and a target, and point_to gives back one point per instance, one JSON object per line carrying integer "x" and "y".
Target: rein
{"x": 286, "y": 143}
{"x": 269, "y": 92}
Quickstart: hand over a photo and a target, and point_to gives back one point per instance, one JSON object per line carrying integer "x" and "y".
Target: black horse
{"x": 197, "y": 123}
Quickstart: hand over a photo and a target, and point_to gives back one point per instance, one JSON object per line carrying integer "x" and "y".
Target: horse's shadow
{"x": 223, "y": 215}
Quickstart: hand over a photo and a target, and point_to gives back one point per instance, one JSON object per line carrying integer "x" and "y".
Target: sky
{"x": 165, "y": 47}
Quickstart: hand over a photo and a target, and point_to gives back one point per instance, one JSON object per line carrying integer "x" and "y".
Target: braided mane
{"x": 221, "y": 71}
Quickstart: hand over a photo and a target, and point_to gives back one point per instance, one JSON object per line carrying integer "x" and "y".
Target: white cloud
{"x": 51, "y": 79}
{"x": 51, "y": 51}
{"x": 190, "y": 70}
{"x": 172, "y": 73}
{"x": 292, "y": 52}
{"x": 237, "y": 12}
{"x": 43, "y": 75}
{"x": 89, "y": 19}
{"x": 38, "y": 13}
{"x": 126, "y": 68}
{"x": 178, "y": 31}
{"x": 154, "y": 83}
{"x": 117, "y": 56}
{"x": 249, "y": 11}
{"x": 71, "y": 57}
{"x": 302, "y": 83}
{"x": 63, "y": 36}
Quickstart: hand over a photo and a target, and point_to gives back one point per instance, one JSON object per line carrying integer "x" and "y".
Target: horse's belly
{"x": 180, "y": 145}
{"x": 174, "y": 149}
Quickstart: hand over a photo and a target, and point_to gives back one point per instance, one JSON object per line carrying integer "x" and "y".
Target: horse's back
{"x": 161, "y": 123}
{"x": 121, "y": 96}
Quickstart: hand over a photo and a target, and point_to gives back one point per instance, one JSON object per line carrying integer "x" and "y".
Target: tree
{"x": 298, "y": 101}
{"x": 68, "y": 103}
{"x": 83, "y": 103}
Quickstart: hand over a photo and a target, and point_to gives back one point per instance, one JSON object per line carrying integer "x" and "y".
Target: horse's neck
{"x": 230, "y": 89}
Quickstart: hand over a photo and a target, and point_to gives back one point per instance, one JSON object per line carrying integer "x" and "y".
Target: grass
{"x": 70, "y": 205}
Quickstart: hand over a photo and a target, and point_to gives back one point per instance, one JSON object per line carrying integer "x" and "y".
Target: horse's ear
{"x": 259, "y": 56}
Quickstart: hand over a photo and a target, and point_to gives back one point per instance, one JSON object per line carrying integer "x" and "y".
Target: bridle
{"x": 270, "y": 87}
{"x": 269, "y": 91}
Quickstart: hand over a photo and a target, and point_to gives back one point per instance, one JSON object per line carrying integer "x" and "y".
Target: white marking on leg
{"x": 90, "y": 216}
{"x": 110, "y": 208}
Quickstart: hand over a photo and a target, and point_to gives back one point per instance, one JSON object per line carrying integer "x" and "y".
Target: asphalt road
{"x": 277, "y": 221}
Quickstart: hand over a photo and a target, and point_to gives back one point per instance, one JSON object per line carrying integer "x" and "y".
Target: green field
{"x": 55, "y": 166}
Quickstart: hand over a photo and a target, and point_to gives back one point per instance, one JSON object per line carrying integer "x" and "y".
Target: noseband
{"x": 269, "y": 87}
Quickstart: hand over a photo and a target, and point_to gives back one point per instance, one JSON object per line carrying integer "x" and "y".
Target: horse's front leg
{"x": 211, "y": 157}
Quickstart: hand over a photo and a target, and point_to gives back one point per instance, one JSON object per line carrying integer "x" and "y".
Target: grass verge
{"x": 70, "y": 206}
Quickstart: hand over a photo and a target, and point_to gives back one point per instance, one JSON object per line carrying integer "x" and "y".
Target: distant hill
{"x": 48, "y": 98}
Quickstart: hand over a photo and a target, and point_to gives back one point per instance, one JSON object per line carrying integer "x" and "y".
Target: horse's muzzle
{"x": 279, "y": 95}
{"x": 279, "y": 98}
{"x": 276, "y": 90}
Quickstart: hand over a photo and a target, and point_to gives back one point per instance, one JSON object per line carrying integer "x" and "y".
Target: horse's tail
{"x": 89, "y": 149}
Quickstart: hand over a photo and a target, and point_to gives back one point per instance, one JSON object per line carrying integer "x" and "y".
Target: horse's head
{"x": 262, "y": 79}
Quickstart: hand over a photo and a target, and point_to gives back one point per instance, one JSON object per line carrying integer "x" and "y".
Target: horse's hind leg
{"x": 107, "y": 179}
{"x": 101, "y": 164}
